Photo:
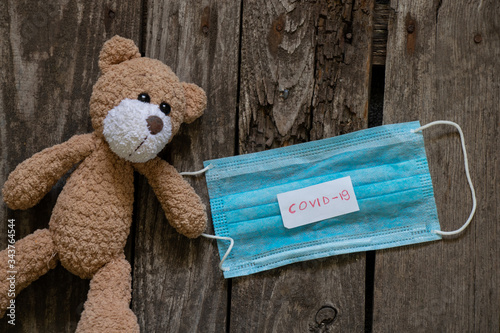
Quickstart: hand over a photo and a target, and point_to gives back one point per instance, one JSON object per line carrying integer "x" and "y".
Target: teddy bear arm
{"x": 183, "y": 207}
{"x": 34, "y": 177}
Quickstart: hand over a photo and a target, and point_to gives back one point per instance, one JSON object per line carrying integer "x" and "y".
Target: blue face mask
{"x": 381, "y": 173}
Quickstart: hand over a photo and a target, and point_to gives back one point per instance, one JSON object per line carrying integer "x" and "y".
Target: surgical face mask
{"x": 367, "y": 190}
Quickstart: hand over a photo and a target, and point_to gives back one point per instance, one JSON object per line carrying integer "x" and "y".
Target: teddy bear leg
{"x": 107, "y": 308}
{"x": 24, "y": 262}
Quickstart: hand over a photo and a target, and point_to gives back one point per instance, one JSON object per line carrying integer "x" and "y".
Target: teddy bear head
{"x": 138, "y": 103}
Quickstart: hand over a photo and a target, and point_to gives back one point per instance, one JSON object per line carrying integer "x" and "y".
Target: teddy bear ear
{"x": 196, "y": 102}
{"x": 115, "y": 51}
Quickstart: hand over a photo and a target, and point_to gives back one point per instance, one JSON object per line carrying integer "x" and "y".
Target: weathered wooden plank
{"x": 342, "y": 69}
{"x": 380, "y": 20}
{"x": 278, "y": 73}
{"x": 48, "y": 61}
{"x": 177, "y": 283}
{"x": 304, "y": 75}
{"x": 442, "y": 63}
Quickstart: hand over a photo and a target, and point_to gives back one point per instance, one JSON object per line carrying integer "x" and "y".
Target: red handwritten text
{"x": 308, "y": 205}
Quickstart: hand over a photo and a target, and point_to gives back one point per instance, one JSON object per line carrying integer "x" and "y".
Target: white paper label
{"x": 317, "y": 203}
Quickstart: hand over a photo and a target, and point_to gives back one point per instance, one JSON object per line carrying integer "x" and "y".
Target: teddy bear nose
{"x": 155, "y": 124}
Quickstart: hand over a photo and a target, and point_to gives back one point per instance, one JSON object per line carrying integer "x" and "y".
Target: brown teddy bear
{"x": 137, "y": 106}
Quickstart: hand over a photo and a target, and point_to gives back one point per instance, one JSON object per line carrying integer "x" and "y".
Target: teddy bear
{"x": 137, "y": 106}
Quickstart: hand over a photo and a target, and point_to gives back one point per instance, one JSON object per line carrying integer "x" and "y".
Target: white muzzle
{"x": 137, "y": 131}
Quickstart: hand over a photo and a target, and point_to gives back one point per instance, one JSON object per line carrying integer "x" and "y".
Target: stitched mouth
{"x": 139, "y": 146}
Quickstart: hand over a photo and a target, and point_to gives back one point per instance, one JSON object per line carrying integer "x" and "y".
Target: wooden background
{"x": 276, "y": 72}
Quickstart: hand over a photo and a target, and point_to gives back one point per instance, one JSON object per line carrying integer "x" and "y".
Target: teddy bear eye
{"x": 144, "y": 98}
{"x": 165, "y": 108}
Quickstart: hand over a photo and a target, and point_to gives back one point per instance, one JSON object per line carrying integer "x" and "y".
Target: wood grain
{"x": 48, "y": 56}
{"x": 342, "y": 68}
{"x": 278, "y": 40}
{"x": 302, "y": 77}
{"x": 446, "y": 67}
{"x": 382, "y": 11}
{"x": 178, "y": 286}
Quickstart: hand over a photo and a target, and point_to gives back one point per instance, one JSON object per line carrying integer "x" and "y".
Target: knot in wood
{"x": 205, "y": 20}
{"x": 326, "y": 315}
{"x": 284, "y": 93}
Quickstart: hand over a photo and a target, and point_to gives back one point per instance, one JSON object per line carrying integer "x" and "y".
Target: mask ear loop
{"x": 196, "y": 173}
{"x": 466, "y": 163}
{"x": 224, "y": 269}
